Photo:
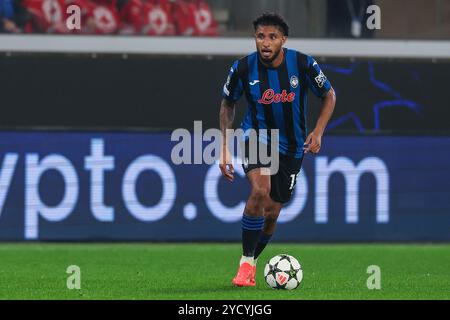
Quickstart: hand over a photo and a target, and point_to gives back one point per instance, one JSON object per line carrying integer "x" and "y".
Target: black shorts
{"x": 282, "y": 183}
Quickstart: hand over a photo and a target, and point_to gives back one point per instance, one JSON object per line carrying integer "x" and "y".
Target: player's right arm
{"x": 232, "y": 91}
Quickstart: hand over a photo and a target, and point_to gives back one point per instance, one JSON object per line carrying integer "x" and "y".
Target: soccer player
{"x": 275, "y": 81}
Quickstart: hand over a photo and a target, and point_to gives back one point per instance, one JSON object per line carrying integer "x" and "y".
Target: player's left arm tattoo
{"x": 326, "y": 111}
{"x": 314, "y": 140}
{"x": 226, "y": 117}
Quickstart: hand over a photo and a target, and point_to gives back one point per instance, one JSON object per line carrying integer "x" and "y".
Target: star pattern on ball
{"x": 280, "y": 272}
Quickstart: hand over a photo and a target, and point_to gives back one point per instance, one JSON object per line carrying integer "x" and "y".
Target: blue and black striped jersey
{"x": 277, "y": 97}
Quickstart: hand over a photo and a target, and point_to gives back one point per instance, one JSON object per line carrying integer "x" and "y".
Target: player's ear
{"x": 284, "y": 39}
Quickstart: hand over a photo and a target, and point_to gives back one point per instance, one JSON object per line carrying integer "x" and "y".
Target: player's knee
{"x": 260, "y": 193}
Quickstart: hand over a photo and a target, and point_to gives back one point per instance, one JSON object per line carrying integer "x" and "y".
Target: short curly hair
{"x": 272, "y": 19}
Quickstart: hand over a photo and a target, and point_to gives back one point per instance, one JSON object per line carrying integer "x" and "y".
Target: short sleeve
{"x": 233, "y": 88}
{"x": 316, "y": 79}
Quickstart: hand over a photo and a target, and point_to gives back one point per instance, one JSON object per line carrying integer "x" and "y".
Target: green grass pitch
{"x": 204, "y": 271}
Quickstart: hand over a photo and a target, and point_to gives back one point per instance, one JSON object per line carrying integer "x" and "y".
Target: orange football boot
{"x": 244, "y": 276}
{"x": 253, "y": 277}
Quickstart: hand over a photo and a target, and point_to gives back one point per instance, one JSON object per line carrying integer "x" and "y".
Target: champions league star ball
{"x": 283, "y": 272}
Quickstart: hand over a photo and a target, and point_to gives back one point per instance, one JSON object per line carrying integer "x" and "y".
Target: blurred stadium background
{"x": 87, "y": 116}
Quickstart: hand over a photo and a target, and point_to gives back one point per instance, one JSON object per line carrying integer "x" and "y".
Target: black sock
{"x": 263, "y": 241}
{"x": 251, "y": 230}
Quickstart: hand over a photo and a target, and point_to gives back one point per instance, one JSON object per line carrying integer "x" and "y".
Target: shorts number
{"x": 293, "y": 179}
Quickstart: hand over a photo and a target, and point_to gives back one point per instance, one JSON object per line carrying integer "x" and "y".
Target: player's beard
{"x": 270, "y": 60}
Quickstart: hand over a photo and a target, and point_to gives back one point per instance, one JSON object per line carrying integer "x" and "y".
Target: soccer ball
{"x": 283, "y": 272}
